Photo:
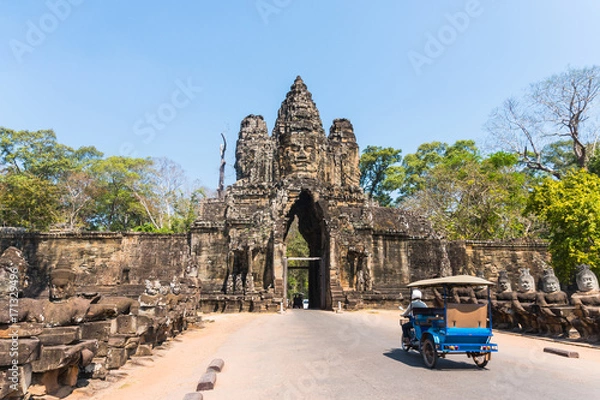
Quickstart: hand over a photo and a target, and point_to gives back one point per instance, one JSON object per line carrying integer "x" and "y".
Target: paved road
{"x": 355, "y": 355}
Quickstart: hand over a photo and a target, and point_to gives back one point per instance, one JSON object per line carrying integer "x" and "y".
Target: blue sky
{"x": 164, "y": 79}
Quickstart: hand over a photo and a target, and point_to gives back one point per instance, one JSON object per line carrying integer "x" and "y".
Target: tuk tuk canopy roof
{"x": 458, "y": 280}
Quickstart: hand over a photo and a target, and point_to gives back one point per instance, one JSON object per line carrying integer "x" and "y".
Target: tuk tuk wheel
{"x": 480, "y": 359}
{"x": 403, "y": 344}
{"x": 429, "y": 353}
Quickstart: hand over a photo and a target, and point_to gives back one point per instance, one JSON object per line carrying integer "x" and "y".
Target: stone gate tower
{"x": 360, "y": 252}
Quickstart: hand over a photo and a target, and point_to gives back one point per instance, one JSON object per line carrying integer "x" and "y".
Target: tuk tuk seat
{"x": 467, "y": 315}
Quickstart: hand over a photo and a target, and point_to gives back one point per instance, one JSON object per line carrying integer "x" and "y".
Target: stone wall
{"x": 490, "y": 257}
{"x": 116, "y": 263}
{"x": 119, "y": 263}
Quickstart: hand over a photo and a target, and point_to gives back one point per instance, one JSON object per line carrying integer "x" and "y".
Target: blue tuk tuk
{"x": 455, "y": 328}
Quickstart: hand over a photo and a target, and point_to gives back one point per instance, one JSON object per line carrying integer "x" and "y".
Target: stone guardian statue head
{"x": 586, "y": 279}
{"x": 550, "y": 281}
{"x": 504, "y": 284}
{"x": 62, "y": 283}
{"x": 526, "y": 281}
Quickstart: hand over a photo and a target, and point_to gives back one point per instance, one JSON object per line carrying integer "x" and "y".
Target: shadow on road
{"x": 413, "y": 359}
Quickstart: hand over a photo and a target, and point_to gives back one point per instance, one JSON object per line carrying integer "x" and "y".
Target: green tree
{"x": 556, "y": 111}
{"x": 296, "y": 246}
{"x": 466, "y": 197}
{"x": 571, "y": 209}
{"x": 28, "y": 201}
{"x": 594, "y": 165}
{"x": 40, "y": 154}
{"x": 418, "y": 166}
{"x": 379, "y": 173}
{"x": 122, "y": 183}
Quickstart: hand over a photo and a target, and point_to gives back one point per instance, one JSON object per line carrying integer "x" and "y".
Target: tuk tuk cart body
{"x": 455, "y": 328}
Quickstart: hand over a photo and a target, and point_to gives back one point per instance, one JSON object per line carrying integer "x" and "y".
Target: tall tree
{"x": 466, "y": 197}
{"x": 379, "y": 173}
{"x": 28, "y": 201}
{"x": 40, "y": 154}
{"x": 558, "y": 109}
{"x": 417, "y": 166}
{"x": 122, "y": 181}
{"x": 571, "y": 209}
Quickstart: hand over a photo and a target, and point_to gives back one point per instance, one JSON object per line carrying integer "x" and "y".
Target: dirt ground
{"x": 170, "y": 373}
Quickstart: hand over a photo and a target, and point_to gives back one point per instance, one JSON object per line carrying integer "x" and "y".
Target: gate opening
{"x": 308, "y": 217}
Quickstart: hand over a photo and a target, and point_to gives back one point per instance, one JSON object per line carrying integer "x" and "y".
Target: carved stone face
{"x": 175, "y": 287}
{"x": 191, "y": 270}
{"x": 551, "y": 285}
{"x": 62, "y": 285}
{"x": 526, "y": 283}
{"x": 587, "y": 282}
{"x": 150, "y": 288}
{"x": 299, "y": 155}
{"x": 504, "y": 286}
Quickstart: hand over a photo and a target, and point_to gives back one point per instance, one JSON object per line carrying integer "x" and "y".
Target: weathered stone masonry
{"x": 237, "y": 246}
{"x": 367, "y": 253}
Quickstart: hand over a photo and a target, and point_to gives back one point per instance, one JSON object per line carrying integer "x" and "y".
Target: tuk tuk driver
{"x": 416, "y": 302}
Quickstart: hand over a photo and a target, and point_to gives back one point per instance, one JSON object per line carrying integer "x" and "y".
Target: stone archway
{"x": 312, "y": 227}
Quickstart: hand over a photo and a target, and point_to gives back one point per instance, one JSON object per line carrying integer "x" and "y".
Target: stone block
{"x": 100, "y": 312}
{"x": 100, "y": 330}
{"x": 60, "y": 335}
{"x": 119, "y": 340}
{"x": 96, "y": 369}
{"x": 207, "y": 382}
{"x": 68, "y": 376}
{"x": 143, "y": 350}
{"x": 17, "y": 375}
{"x": 102, "y": 349}
{"x": 23, "y": 351}
{"x": 25, "y": 329}
{"x": 55, "y": 357}
{"x": 116, "y": 358}
{"x": 50, "y": 380}
{"x": 86, "y": 357}
{"x": 561, "y": 352}
{"x": 193, "y": 396}
{"x": 216, "y": 365}
{"x": 126, "y": 324}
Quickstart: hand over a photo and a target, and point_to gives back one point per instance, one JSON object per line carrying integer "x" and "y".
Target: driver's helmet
{"x": 416, "y": 294}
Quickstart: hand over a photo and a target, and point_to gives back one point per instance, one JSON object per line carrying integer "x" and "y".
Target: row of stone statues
{"x": 71, "y": 335}
{"x": 550, "y": 310}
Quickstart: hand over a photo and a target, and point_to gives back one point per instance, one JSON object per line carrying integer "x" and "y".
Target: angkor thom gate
{"x": 361, "y": 252}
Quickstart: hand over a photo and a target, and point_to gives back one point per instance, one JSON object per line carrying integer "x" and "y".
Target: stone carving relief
{"x": 503, "y": 315}
{"x": 524, "y": 303}
{"x": 586, "y": 301}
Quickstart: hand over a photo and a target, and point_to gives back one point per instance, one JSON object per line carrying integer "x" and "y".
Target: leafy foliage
{"x": 553, "y": 115}
{"x": 571, "y": 208}
{"x": 296, "y": 247}
{"x": 44, "y": 184}
{"x": 465, "y": 196}
{"x": 379, "y": 174}
{"x": 28, "y": 201}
